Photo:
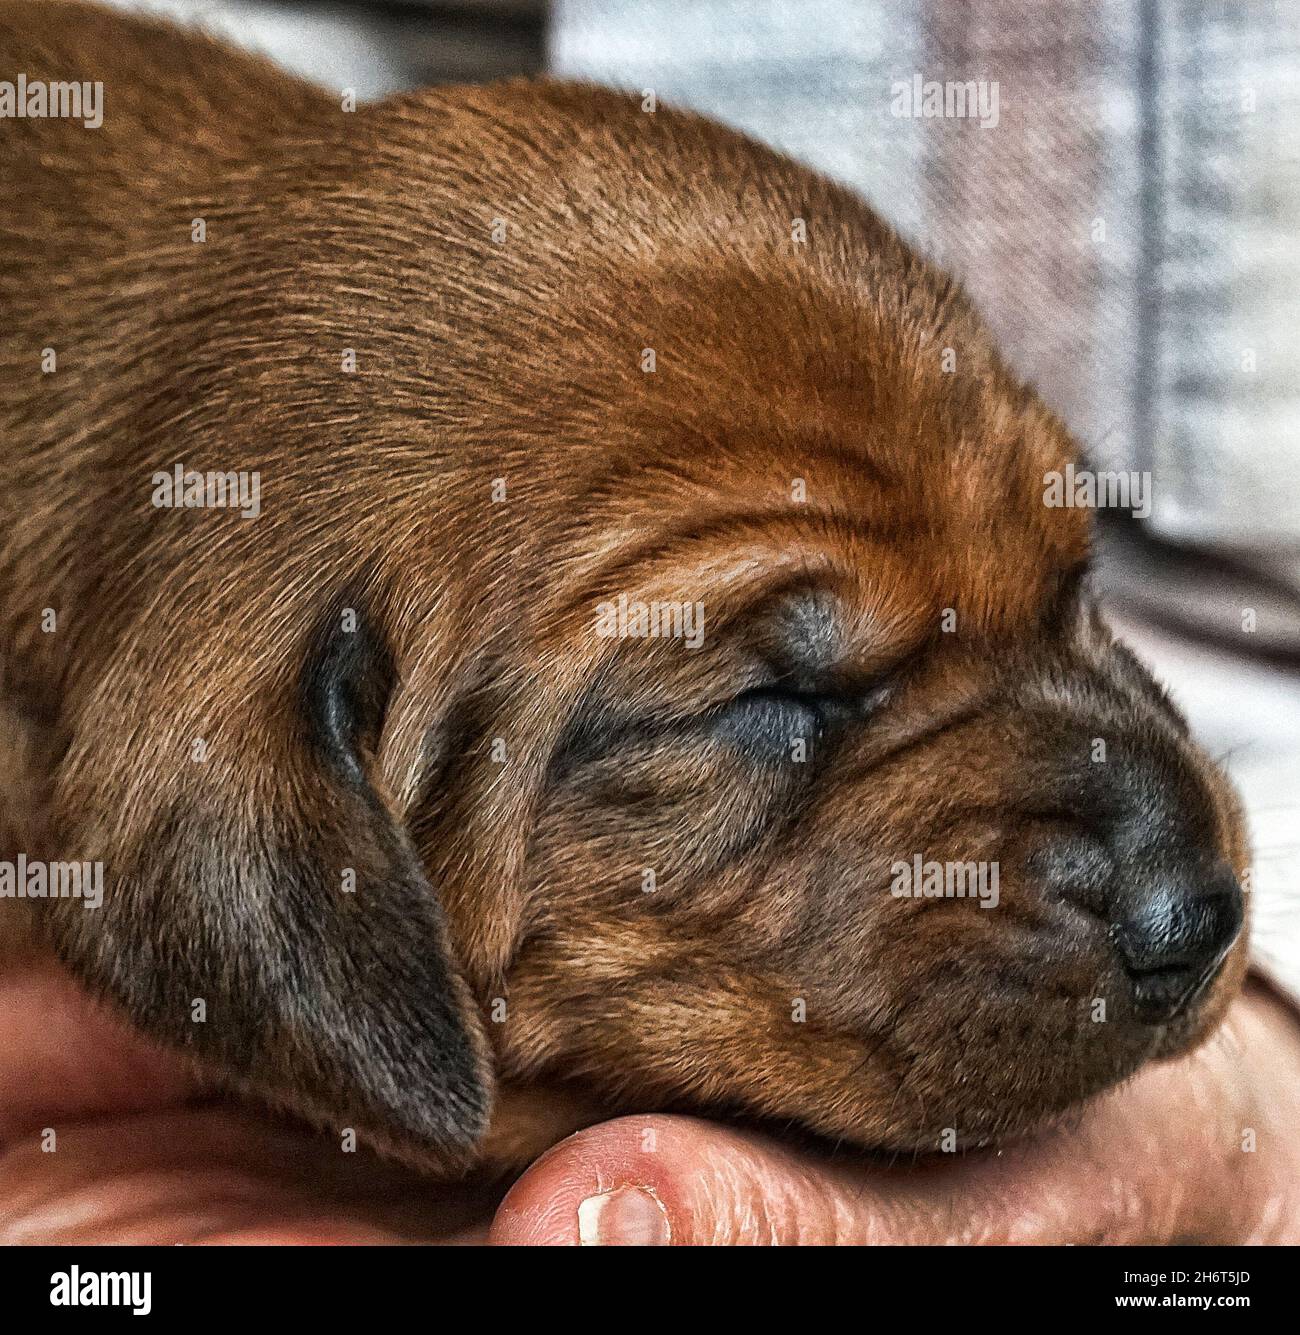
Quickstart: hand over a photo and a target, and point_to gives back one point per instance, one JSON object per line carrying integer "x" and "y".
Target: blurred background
{"x": 1127, "y": 223}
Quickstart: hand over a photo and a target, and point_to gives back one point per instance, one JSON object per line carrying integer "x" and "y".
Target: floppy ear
{"x": 265, "y": 911}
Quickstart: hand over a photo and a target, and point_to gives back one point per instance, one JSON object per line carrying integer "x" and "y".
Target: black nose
{"x": 1176, "y": 937}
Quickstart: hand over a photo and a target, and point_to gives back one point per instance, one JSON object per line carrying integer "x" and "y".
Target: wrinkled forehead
{"x": 802, "y": 443}
{"x": 887, "y": 540}
{"x": 702, "y": 601}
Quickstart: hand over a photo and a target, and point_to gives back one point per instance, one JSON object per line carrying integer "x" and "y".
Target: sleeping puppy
{"x": 520, "y": 592}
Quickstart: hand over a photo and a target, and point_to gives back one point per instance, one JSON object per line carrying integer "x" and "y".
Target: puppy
{"x": 521, "y": 592}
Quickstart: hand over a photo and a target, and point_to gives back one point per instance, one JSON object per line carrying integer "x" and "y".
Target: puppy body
{"x": 364, "y": 780}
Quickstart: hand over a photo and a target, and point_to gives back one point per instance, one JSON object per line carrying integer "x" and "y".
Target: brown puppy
{"x": 397, "y": 802}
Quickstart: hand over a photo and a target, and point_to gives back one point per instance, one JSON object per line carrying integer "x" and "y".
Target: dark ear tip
{"x": 433, "y": 1120}
{"x": 379, "y": 1022}
{"x": 451, "y": 1125}
{"x": 425, "y": 1075}
{"x": 346, "y": 1007}
{"x": 443, "y": 1114}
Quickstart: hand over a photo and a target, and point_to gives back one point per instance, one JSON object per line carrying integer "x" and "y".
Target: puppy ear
{"x": 273, "y": 918}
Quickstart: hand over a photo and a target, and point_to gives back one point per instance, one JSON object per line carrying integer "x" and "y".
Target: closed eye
{"x": 768, "y": 723}
{"x": 834, "y": 699}
{"x": 777, "y": 714}
{"x": 775, "y": 695}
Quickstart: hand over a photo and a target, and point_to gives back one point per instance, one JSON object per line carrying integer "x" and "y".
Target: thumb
{"x": 666, "y": 1180}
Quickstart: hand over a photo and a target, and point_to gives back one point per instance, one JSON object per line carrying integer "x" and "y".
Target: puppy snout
{"x": 1162, "y": 929}
{"x": 1175, "y": 936}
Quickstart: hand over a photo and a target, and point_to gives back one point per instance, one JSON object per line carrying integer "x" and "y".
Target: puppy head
{"x": 808, "y": 632}
{"x": 904, "y": 843}
{"x": 608, "y": 722}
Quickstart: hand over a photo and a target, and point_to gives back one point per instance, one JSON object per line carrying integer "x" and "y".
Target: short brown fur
{"x": 482, "y": 357}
